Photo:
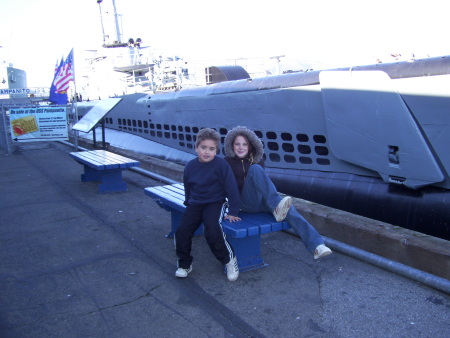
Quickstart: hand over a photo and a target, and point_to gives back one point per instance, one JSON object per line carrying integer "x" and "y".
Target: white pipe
{"x": 433, "y": 281}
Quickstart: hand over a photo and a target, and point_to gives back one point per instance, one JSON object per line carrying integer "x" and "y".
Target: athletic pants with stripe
{"x": 211, "y": 216}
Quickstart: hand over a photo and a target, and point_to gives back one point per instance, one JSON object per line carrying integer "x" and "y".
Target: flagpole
{"x": 76, "y": 98}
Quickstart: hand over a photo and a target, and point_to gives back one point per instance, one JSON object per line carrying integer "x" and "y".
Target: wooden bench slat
{"x": 102, "y": 159}
{"x": 162, "y": 196}
{"x": 274, "y": 225}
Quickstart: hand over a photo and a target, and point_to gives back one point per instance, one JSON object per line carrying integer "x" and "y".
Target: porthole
{"x": 304, "y": 149}
{"x": 286, "y": 137}
{"x": 323, "y": 161}
{"x": 305, "y": 160}
{"x": 289, "y": 158}
{"x": 272, "y": 146}
{"x": 271, "y": 135}
{"x": 223, "y": 131}
{"x": 288, "y": 147}
{"x": 319, "y": 139}
{"x": 258, "y": 133}
{"x": 274, "y": 157}
{"x": 320, "y": 150}
{"x": 302, "y": 138}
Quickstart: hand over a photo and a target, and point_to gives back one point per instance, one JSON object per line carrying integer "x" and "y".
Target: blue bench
{"x": 244, "y": 236}
{"x": 104, "y": 167}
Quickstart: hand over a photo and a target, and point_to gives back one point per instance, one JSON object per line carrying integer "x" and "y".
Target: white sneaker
{"x": 183, "y": 273}
{"x": 321, "y": 251}
{"x": 282, "y": 209}
{"x": 232, "y": 269}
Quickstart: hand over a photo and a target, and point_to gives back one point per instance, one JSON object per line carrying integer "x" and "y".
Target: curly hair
{"x": 208, "y": 134}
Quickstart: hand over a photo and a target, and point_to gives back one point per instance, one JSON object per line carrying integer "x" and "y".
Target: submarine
{"x": 371, "y": 140}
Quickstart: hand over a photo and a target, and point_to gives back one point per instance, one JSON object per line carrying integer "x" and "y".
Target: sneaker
{"x": 282, "y": 209}
{"x": 232, "y": 269}
{"x": 183, "y": 273}
{"x": 321, "y": 251}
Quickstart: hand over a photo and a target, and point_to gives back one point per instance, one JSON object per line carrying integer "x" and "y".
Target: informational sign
{"x": 96, "y": 113}
{"x": 38, "y": 124}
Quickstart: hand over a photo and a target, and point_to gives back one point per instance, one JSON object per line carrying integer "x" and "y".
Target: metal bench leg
{"x": 90, "y": 175}
{"x": 111, "y": 181}
{"x": 248, "y": 252}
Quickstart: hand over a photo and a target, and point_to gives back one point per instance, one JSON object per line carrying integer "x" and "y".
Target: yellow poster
{"x": 24, "y": 125}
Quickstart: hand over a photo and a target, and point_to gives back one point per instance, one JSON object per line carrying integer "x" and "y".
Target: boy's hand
{"x": 232, "y": 218}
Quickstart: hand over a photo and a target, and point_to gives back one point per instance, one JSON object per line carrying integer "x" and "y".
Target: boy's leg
{"x": 213, "y": 214}
{"x": 191, "y": 220}
{"x": 259, "y": 193}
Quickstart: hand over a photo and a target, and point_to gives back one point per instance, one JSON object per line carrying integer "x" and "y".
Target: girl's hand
{"x": 232, "y": 218}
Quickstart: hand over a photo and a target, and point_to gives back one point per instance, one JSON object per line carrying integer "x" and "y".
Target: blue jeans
{"x": 260, "y": 195}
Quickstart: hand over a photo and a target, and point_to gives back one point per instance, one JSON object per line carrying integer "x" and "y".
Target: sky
{"x": 321, "y": 33}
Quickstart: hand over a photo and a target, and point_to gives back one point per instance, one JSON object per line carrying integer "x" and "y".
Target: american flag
{"x": 57, "y": 66}
{"x": 64, "y": 75}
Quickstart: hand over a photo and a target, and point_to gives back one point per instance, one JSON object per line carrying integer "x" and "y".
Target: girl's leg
{"x": 310, "y": 237}
{"x": 259, "y": 193}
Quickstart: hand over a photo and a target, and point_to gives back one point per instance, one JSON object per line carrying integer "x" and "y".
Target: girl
{"x": 244, "y": 153}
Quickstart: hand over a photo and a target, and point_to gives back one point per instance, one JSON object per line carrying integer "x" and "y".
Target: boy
{"x": 208, "y": 180}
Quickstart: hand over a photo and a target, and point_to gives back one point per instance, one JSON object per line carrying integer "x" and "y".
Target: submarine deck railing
{"x": 423, "y": 277}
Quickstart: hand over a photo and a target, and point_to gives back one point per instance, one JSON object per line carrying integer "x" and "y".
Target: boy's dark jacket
{"x": 211, "y": 182}
{"x": 240, "y": 166}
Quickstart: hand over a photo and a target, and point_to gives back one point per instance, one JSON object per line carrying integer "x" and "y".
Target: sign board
{"x": 37, "y": 90}
{"x": 38, "y": 124}
{"x": 96, "y": 113}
